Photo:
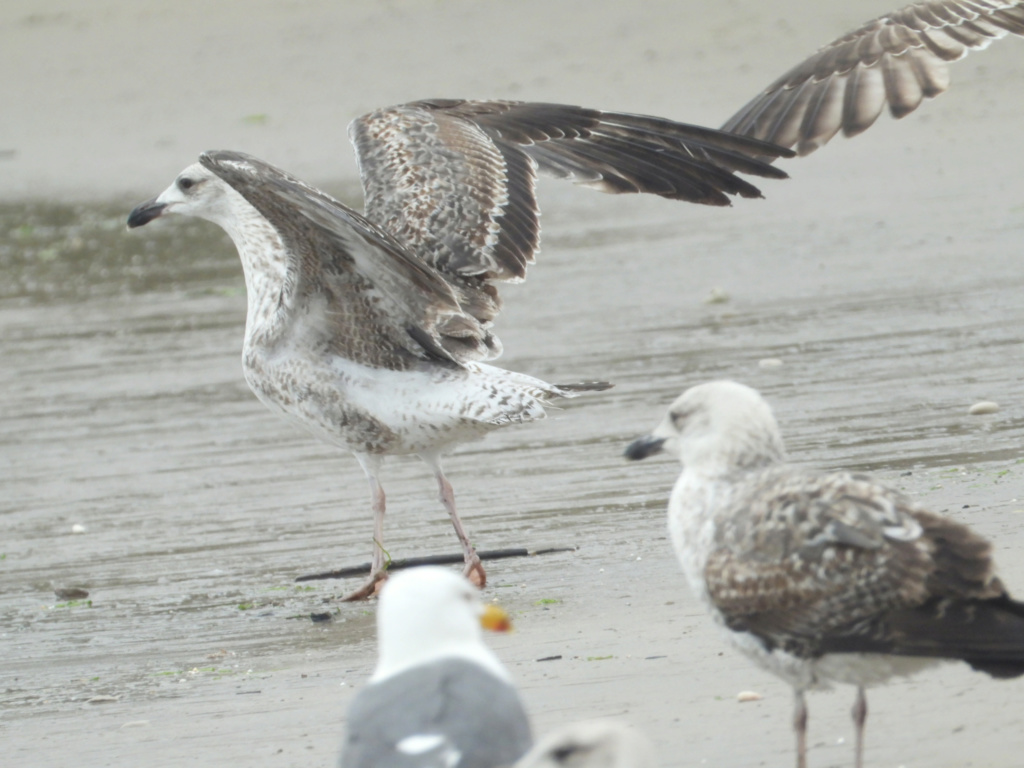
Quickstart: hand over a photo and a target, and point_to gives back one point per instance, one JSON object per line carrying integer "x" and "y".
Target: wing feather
{"x": 899, "y": 59}
{"x": 454, "y": 181}
{"x": 372, "y": 302}
{"x": 820, "y": 563}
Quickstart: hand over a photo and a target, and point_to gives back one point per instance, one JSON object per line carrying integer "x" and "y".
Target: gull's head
{"x": 718, "y": 426}
{"x": 196, "y": 192}
{"x": 430, "y": 613}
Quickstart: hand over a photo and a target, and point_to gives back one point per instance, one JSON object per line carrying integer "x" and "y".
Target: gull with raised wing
{"x": 373, "y": 330}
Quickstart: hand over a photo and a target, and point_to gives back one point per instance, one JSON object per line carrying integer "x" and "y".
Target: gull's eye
{"x": 679, "y": 417}
{"x": 185, "y": 183}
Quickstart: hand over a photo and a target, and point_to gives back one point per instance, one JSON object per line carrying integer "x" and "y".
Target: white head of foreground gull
{"x": 823, "y": 577}
{"x": 591, "y": 744}
{"x": 372, "y": 331}
{"x": 439, "y": 697}
{"x": 898, "y": 60}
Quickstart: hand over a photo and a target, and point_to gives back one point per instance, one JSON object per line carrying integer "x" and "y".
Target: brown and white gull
{"x": 897, "y": 60}
{"x": 439, "y": 697}
{"x": 373, "y": 330}
{"x": 818, "y": 577}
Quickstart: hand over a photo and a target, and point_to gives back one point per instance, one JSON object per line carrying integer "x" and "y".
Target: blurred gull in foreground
{"x": 823, "y": 578}
{"x": 439, "y": 697}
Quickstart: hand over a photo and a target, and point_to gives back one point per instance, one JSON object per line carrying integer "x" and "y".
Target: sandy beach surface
{"x": 885, "y": 277}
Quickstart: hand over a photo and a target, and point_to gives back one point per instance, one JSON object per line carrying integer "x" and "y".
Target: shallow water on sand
{"x": 125, "y": 415}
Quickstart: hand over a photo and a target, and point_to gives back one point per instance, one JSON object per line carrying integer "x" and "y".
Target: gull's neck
{"x": 405, "y": 652}
{"x": 268, "y": 285}
{"x": 716, "y": 459}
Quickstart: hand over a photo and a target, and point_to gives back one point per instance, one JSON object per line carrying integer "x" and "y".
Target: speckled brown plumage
{"x": 381, "y": 305}
{"x": 823, "y": 577}
{"x": 822, "y": 563}
{"x": 454, "y": 180}
{"x": 373, "y": 332}
{"x": 897, "y": 60}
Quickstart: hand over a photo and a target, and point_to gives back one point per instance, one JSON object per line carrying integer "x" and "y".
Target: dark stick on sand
{"x": 414, "y": 562}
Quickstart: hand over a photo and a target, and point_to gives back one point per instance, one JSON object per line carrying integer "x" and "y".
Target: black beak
{"x": 145, "y": 213}
{"x": 644, "y": 447}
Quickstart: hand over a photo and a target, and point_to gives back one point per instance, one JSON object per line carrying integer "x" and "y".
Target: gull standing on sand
{"x": 823, "y": 578}
{"x": 372, "y": 331}
{"x": 897, "y": 60}
{"x": 439, "y": 697}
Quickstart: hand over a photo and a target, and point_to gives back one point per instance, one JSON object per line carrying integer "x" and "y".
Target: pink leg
{"x": 860, "y": 716}
{"x": 378, "y": 572}
{"x": 474, "y": 569}
{"x": 800, "y": 726}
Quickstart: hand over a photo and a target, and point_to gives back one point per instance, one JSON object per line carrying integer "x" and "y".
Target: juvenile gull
{"x": 373, "y": 331}
{"x": 823, "y": 577}
{"x": 439, "y": 697}
{"x": 896, "y": 60}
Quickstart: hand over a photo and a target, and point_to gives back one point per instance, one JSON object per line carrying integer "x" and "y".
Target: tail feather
{"x": 1001, "y": 670}
{"x": 571, "y": 390}
{"x": 987, "y": 634}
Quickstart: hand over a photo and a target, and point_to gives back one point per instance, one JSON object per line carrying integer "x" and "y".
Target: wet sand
{"x": 885, "y": 275}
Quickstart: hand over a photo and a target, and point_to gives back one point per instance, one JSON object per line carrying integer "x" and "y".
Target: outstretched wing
{"x": 824, "y": 563}
{"x": 454, "y": 180}
{"x": 358, "y": 291}
{"x": 898, "y": 60}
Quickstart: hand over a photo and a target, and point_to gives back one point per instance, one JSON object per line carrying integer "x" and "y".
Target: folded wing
{"x": 360, "y": 292}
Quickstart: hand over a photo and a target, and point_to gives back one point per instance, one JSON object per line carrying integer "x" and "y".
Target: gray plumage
{"x": 897, "y": 60}
{"x": 823, "y": 577}
{"x": 372, "y": 331}
{"x": 464, "y": 715}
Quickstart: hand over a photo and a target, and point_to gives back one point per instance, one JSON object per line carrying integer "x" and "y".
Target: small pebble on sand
{"x": 102, "y": 700}
{"x": 769, "y": 362}
{"x": 743, "y": 696}
{"x": 70, "y": 593}
{"x": 985, "y": 406}
{"x": 717, "y": 296}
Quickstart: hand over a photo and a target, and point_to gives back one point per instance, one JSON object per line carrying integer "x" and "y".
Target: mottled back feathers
{"x": 816, "y": 563}
{"x": 454, "y": 180}
{"x": 450, "y": 207}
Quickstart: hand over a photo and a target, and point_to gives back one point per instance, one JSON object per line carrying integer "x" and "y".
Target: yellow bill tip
{"x": 495, "y": 619}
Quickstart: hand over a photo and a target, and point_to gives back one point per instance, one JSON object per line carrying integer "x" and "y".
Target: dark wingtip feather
{"x": 585, "y": 386}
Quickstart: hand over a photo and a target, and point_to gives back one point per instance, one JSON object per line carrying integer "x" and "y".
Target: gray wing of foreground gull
{"x": 447, "y": 713}
{"x": 897, "y": 60}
